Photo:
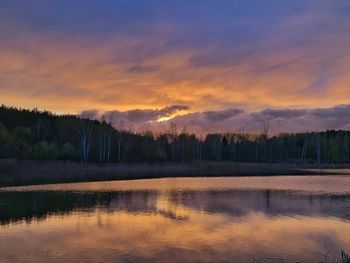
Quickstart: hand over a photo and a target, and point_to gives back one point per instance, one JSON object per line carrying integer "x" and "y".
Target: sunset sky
{"x": 209, "y": 65}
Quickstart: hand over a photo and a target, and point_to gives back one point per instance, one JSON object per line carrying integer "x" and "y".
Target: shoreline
{"x": 21, "y": 173}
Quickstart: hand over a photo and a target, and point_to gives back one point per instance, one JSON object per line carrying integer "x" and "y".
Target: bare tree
{"x": 265, "y": 135}
{"x": 304, "y": 150}
{"x": 318, "y": 147}
{"x": 102, "y": 139}
{"x": 200, "y": 147}
{"x": 85, "y": 138}
{"x": 120, "y": 128}
{"x": 84, "y": 134}
{"x": 172, "y": 134}
{"x": 109, "y": 119}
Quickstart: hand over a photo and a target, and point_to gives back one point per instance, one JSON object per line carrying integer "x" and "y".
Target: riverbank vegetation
{"x": 38, "y": 135}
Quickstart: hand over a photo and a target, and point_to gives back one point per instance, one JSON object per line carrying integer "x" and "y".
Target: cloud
{"x": 342, "y": 111}
{"x": 224, "y": 54}
{"x": 283, "y": 113}
{"x": 217, "y": 116}
{"x": 142, "y": 69}
{"x": 89, "y": 114}
{"x": 136, "y": 118}
{"x": 238, "y": 120}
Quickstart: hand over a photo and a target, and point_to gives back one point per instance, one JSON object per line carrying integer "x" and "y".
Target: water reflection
{"x": 273, "y": 203}
{"x": 174, "y": 224}
{"x": 34, "y": 206}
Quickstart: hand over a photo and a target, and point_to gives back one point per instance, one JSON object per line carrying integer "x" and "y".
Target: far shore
{"x": 17, "y": 173}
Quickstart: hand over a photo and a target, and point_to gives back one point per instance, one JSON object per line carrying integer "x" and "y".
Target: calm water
{"x": 255, "y": 219}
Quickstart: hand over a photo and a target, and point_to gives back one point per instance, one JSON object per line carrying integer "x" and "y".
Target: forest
{"x": 41, "y": 135}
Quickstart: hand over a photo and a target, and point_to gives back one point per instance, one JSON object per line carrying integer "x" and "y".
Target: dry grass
{"x": 13, "y": 172}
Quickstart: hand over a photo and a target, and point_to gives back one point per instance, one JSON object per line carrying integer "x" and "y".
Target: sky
{"x": 208, "y": 65}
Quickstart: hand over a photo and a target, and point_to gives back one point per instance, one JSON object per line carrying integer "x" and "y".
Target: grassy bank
{"x": 13, "y": 172}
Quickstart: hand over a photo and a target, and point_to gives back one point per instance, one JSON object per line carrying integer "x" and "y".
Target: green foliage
{"x": 23, "y": 133}
{"x": 23, "y": 137}
{"x": 45, "y": 151}
{"x": 69, "y": 152}
{"x": 7, "y": 142}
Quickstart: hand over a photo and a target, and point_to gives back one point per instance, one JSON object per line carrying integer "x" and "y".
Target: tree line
{"x": 41, "y": 135}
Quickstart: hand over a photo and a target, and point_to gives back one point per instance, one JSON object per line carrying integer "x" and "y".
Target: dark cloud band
{"x": 236, "y": 120}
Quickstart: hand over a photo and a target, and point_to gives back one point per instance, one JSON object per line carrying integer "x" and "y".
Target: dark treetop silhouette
{"x": 36, "y": 135}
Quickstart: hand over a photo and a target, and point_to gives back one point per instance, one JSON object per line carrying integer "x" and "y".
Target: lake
{"x": 240, "y": 219}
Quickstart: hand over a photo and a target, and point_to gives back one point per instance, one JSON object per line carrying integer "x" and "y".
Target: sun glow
{"x": 166, "y": 118}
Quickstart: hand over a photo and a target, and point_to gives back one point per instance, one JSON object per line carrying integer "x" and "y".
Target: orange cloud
{"x": 292, "y": 65}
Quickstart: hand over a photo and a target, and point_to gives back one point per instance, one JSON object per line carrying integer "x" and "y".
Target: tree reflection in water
{"x": 173, "y": 225}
